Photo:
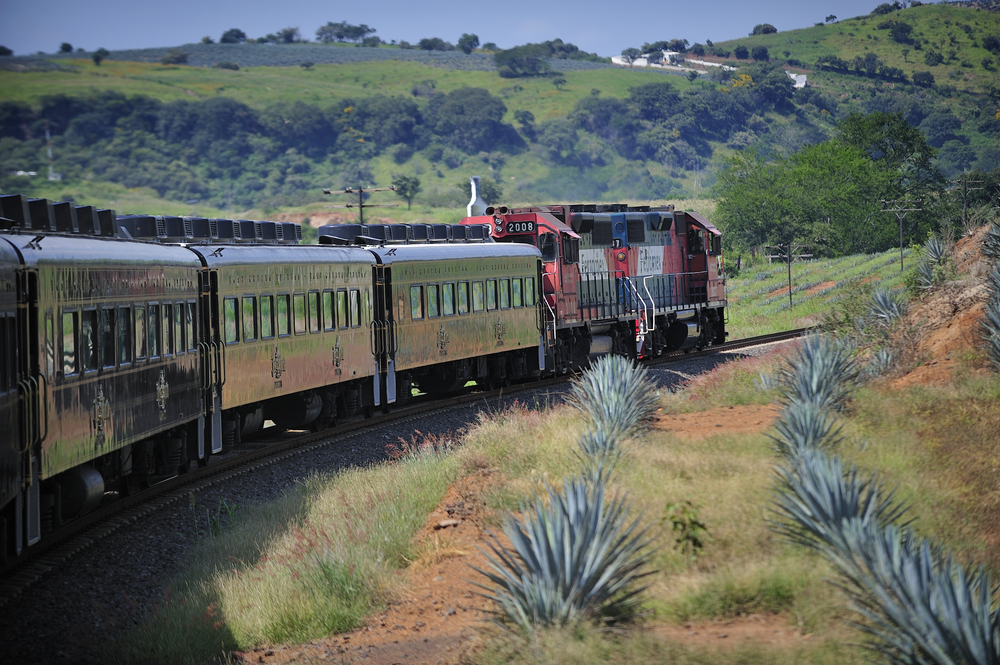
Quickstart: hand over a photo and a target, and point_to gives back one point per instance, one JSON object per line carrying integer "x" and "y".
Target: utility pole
{"x": 786, "y": 252}
{"x": 48, "y": 149}
{"x": 361, "y": 205}
{"x": 965, "y": 195}
{"x": 898, "y": 206}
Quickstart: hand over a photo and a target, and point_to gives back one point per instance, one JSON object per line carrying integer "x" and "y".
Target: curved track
{"x": 61, "y": 544}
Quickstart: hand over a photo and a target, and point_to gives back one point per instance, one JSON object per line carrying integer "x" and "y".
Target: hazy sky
{"x": 606, "y": 27}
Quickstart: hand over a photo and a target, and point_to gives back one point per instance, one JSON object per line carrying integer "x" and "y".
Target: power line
{"x": 361, "y": 205}
{"x": 898, "y": 206}
{"x": 965, "y": 195}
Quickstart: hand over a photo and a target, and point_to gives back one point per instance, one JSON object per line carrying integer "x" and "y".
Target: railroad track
{"x": 61, "y": 544}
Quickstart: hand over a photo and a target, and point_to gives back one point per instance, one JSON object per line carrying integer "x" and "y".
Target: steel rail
{"x": 61, "y": 544}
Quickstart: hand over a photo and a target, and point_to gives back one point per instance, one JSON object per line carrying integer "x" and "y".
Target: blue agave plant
{"x": 615, "y": 395}
{"x": 881, "y": 362}
{"x": 886, "y": 306}
{"x": 802, "y": 426}
{"x": 991, "y": 243}
{"x": 574, "y": 557}
{"x": 991, "y": 330}
{"x": 820, "y": 371}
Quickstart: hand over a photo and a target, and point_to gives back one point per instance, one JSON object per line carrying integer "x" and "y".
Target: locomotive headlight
{"x": 620, "y": 256}
{"x": 499, "y": 227}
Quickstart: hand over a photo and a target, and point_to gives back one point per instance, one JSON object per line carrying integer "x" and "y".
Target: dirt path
{"x": 749, "y": 419}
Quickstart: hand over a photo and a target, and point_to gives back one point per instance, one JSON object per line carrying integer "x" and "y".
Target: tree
{"x": 306, "y": 65}
{"x": 763, "y": 29}
{"x": 559, "y": 81}
{"x": 679, "y": 45}
{"x": 923, "y": 79}
{"x": 492, "y": 192}
{"x": 526, "y": 60}
{"x": 490, "y": 47}
{"x": 760, "y": 53}
{"x": 831, "y": 18}
{"x": 698, "y": 49}
{"x": 289, "y": 36}
{"x": 905, "y": 53}
{"x": 65, "y": 47}
{"x": 407, "y": 187}
{"x": 527, "y": 121}
{"x": 4, "y": 51}
{"x": 99, "y": 56}
{"x": 467, "y": 43}
{"x": 741, "y": 52}
{"x": 207, "y": 40}
{"x": 887, "y": 8}
{"x": 233, "y": 36}
{"x": 434, "y": 44}
{"x": 900, "y": 32}
{"x": 655, "y": 58}
{"x": 630, "y": 55}
{"x": 174, "y": 56}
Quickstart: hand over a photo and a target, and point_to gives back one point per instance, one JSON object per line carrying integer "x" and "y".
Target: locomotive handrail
{"x": 206, "y": 359}
{"x": 24, "y": 393}
{"x": 43, "y": 394}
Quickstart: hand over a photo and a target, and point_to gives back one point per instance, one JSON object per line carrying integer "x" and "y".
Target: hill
{"x": 272, "y": 134}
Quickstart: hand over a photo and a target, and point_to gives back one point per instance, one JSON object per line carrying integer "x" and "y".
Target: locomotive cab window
{"x": 448, "y": 299}
{"x": 416, "y": 302}
{"x": 433, "y": 301}
{"x": 107, "y": 338}
{"x": 299, "y": 312}
{"x": 355, "y": 308}
{"x": 549, "y": 247}
{"x": 88, "y": 340}
{"x": 69, "y": 327}
{"x": 266, "y": 317}
{"x": 282, "y": 313}
{"x": 230, "y": 329}
{"x": 504, "y": 294}
{"x": 312, "y": 299}
{"x": 249, "y": 318}
{"x": 463, "y": 297}
{"x": 328, "y": 321}
{"x": 124, "y": 335}
{"x": 716, "y": 245}
{"x": 571, "y": 249}
{"x": 515, "y": 292}
{"x": 140, "y": 332}
{"x": 478, "y": 297}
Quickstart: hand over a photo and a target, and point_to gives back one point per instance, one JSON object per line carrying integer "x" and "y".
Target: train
{"x": 133, "y": 347}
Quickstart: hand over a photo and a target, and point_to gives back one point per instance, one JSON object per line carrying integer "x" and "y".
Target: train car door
{"x": 383, "y": 333}
{"x": 213, "y": 363}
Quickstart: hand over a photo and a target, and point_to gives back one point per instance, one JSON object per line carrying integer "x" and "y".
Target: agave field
{"x": 758, "y": 297}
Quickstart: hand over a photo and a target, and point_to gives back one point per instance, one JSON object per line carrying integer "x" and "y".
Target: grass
{"x": 758, "y": 297}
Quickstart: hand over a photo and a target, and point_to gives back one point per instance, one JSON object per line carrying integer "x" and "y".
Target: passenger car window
{"x": 355, "y": 308}
{"x": 88, "y": 340}
{"x": 124, "y": 335}
{"x": 299, "y": 312}
{"x": 515, "y": 292}
{"x": 491, "y": 294}
{"x": 107, "y": 338}
{"x": 179, "y": 341}
{"x": 328, "y": 322}
{"x": 191, "y": 324}
{"x": 69, "y": 320}
{"x": 153, "y": 329}
{"x": 313, "y": 302}
{"x": 249, "y": 318}
{"x": 140, "y": 332}
{"x": 504, "y": 294}
{"x": 433, "y": 297}
{"x": 168, "y": 327}
{"x": 463, "y": 297}
{"x": 478, "y": 297}
{"x": 529, "y": 291}
{"x": 448, "y": 299}
{"x": 230, "y": 332}
{"x": 416, "y": 302}
{"x": 283, "y": 326}
{"x": 266, "y": 318}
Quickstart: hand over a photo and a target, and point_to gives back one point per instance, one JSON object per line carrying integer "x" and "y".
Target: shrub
{"x": 174, "y": 56}
{"x": 572, "y": 559}
{"x": 615, "y": 395}
{"x": 226, "y": 65}
{"x": 741, "y": 52}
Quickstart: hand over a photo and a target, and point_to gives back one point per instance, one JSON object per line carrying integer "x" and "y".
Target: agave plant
{"x": 818, "y": 494}
{"x": 880, "y": 363}
{"x": 934, "y": 251}
{"x": 599, "y": 454}
{"x": 991, "y": 330}
{"x": 765, "y": 381}
{"x": 821, "y": 371}
{"x": 917, "y": 603}
{"x": 574, "y": 557}
{"x": 802, "y": 426}
{"x": 993, "y": 281}
{"x": 991, "y": 243}
{"x": 927, "y": 276}
{"x": 886, "y": 306}
{"x": 615, "y": 395}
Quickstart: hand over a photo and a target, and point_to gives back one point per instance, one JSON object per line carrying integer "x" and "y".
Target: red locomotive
{"x": 631, "y": 280}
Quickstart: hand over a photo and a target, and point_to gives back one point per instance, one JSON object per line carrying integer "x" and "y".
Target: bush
{"x": 760, "y": 53}
{"x": 174, "y": 57}
{"x": 741, "y": 52}
{"x": 226, "y": 65}
{"x": 923, "y": 79}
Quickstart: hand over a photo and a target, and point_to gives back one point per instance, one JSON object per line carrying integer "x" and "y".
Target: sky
{"x": 605, "y": 27}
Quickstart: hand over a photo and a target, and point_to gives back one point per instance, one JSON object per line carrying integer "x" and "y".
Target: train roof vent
{"x": 291, "y": 233}
{"x": 161, "y": 227}
{"x": 14, "y": 208}
{"x": 66, "y": 221}
{"x": 399, "y": 233}
{"x": 109, "y": 222}
{"x": 636, "y": 229}
{"x": 346, "y": 232}
{"x": 174, "y": 229}
{"x": 227, "y": 229}
{"x": 459, "y": 233}
{"x": 582, "y": 222}
{"x": 440, "y": 232}
{"x": 87, "y": 221}
{"x": 476, "y": 232}
{"x": 420, "y": 232}
{"x": 270, "y": 231}
{"x": 201, "y": 228}
{"x": 43, "y": 218}
{"x": 139, "y": 227}
{"x": 380, "y": 231}
{"x": 638, "y": 208}
{"x": 188, "y": 227}
{"x": 250, "y": 231}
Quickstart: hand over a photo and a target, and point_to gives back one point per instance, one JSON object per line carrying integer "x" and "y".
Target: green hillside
{"x": 142, "y": 136}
